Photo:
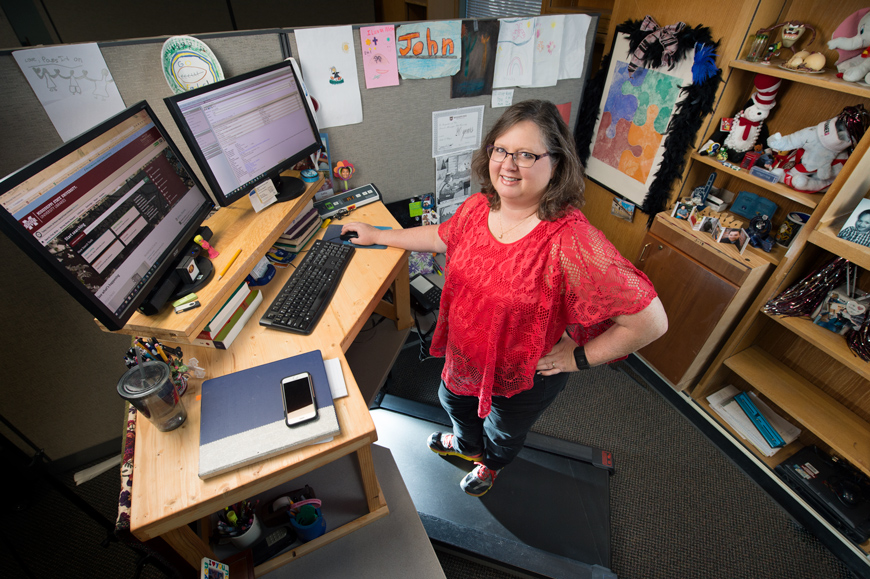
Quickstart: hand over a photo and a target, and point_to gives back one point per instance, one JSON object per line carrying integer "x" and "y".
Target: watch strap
{"x": 580, "y": 358}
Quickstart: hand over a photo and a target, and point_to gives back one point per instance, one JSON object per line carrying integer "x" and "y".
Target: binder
{"x": 242, "y": 416}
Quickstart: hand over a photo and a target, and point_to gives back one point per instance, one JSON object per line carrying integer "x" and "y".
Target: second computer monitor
{"x": 247, "y": 129}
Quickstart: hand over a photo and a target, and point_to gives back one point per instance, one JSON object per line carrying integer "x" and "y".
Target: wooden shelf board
{"x": 806, "y": 199}
{"x": 770, "y": 461}
{"x": 825, "y": 236}
{"x": 846, "y": 433}
{"x": 827, "y": 80}
{"x": 827, "y": 341}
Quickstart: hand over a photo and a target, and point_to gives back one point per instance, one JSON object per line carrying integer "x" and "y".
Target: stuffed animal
{"x": 818, "y": 154}
{"x": 851, "y": 40}
{"x": 748, "y": 127}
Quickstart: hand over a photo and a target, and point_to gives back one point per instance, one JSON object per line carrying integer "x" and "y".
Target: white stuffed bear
{"x": 850, "y": 37}
{"x": 818, "y": 154}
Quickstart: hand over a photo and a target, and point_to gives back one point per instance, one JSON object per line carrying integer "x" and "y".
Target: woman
{"x": 532, "y": 293}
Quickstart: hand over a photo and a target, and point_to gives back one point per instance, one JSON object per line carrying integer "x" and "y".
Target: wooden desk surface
{"x": 168, "y": 493}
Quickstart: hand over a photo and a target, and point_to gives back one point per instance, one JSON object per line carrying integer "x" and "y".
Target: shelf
{"x": 834, "y": 345}
{"x": 809, "y": 200}
{"x": 827, "y": 80}
{"x": 825, "y": 236}
{"x": 837, "y": 426}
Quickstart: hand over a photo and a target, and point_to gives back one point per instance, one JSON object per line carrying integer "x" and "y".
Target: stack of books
{"x": 301, "y": 230}
{"x": 223, "y": 328}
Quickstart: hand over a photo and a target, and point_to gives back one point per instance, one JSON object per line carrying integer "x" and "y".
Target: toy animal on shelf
{"x": 851, "y": 40}
{"x": 748, "y": 127}
{"x": 819, "y": 152}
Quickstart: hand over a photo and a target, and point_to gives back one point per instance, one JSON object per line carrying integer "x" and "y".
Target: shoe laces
{"x": 484, "y": 472}
{"x": 447, "y": 441}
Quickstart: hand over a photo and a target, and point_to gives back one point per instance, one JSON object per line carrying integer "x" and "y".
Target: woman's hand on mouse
{"x": 366, "y": 234}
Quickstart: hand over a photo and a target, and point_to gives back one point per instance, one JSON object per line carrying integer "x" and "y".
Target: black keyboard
{"x": 303, "y": 299}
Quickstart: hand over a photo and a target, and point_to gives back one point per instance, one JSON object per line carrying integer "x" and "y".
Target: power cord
{"x": 425, "y": 339}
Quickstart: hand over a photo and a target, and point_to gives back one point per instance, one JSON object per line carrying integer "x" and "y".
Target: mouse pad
{"x": 334, "y": 231}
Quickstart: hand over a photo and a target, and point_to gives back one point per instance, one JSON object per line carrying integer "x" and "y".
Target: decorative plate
{"x": 188, "y": 63}
{"x": 801, "y": 70}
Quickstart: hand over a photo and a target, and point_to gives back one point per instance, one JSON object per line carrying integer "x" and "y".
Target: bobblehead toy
{"x": 748, "y": 131}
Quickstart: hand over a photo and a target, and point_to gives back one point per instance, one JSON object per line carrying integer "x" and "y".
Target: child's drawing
{"x": 479, "y": 38}
{"x": 379, "y": 55}
{"x": 429, "y": 49}
{"x": 515, "y": 53}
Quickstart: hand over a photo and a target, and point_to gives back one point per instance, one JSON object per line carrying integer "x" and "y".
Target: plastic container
{"x": 149, "y": 388}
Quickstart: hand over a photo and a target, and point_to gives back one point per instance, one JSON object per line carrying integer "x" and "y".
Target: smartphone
{"x": 298, "y": 394}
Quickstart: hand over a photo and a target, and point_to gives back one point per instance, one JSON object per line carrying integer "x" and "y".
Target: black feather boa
{"x": 686, "y": 121}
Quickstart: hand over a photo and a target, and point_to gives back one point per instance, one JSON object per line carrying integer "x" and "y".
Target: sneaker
{"x": 478, "y": 481}
{"x": 443, "y": 444}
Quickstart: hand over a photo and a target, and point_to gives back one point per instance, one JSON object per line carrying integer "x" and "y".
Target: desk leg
{"x": 187, "y": 544}
{"x": 371, "y": 487}
{"x": 402, "y": 299}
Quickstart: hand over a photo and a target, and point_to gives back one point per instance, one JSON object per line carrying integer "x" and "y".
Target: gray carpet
{"x": 679, "y": 507}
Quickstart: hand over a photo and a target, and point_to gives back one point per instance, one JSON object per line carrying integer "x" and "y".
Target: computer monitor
{"x": 247, "y": 129}
{"x": 108, "y": 213}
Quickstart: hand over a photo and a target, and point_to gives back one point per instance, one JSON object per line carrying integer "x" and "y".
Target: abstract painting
{"x": 627, "y": 143}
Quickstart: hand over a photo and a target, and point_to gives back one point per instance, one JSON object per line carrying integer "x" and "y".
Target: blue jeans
{"x": 499, "y": 436}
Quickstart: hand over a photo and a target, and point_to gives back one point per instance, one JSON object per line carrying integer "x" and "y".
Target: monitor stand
{"x": 289, "y": 188}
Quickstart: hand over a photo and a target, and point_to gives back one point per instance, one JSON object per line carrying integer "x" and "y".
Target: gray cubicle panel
{"x": 397, "y": 119}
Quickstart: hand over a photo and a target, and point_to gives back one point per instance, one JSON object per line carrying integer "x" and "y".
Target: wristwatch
{"x": 580, "y": 358}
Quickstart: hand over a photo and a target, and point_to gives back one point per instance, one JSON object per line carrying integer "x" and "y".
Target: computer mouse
{"x": 348, "y": 235}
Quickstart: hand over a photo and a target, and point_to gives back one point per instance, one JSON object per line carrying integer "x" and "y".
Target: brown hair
{"x": 568, "y": 183}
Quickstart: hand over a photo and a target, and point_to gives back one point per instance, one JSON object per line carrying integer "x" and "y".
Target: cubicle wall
{"x": 59, "y": 371}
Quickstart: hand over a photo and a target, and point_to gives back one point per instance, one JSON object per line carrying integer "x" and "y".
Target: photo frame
{"x": 857, "y": 227}
{"x": 678, "y": 50}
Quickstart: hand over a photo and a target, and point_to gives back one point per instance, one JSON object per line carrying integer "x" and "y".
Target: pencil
{"x": 230, "y": 263}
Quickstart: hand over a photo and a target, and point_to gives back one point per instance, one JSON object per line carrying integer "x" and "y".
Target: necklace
{"x": 501, "y": 225}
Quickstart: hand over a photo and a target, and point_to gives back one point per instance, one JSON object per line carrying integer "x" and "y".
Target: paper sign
{"x": 379, "y": 55}
{"x": 429, "y": 49}
{"x": 456, "y": 130}
{"x": 73, "y": 84}
{"x": 263, "y": 195}
{"x": 503, "y": 97}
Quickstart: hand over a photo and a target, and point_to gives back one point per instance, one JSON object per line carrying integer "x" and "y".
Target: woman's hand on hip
{"x": 559, "y": 359}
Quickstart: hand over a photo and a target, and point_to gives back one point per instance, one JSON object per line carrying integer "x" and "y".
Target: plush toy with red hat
{"x": 747, "y": 130}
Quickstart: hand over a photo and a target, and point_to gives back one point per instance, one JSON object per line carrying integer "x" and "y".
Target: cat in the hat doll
{"x": 748, "y": 129}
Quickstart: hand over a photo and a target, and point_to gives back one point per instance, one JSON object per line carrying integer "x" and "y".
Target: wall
{"x": 59, "y": 371}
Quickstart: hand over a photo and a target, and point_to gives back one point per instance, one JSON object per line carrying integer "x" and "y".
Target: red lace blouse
{"x": 506, "y": 305}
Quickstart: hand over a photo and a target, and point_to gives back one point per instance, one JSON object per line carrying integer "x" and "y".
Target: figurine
{"x": 212, "y": 252}
{"x": 789, "y": 35}
{"x": 851, "y": 40}
{"x": 343, "y": 171}
{"x": 748, "y": 127}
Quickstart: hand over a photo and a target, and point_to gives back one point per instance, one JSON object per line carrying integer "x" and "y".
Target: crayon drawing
{"x": 548, "y": 50}
{"x": 479, "y": 38}
{"x": 515, "y": 53}
{"x": 429, "y": 49}
{"x": 379, "y": 55}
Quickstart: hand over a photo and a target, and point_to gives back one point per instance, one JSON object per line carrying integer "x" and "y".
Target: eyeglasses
{"x": 521, "y": 158}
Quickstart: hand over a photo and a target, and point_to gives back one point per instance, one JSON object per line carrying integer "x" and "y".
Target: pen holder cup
{"x": 249, "y": 537}
{"x": 150, "y": 389}
{"x": 312, "y": 530}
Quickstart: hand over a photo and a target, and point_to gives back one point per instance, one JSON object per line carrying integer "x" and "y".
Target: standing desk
{"x": 167, "y": 493}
